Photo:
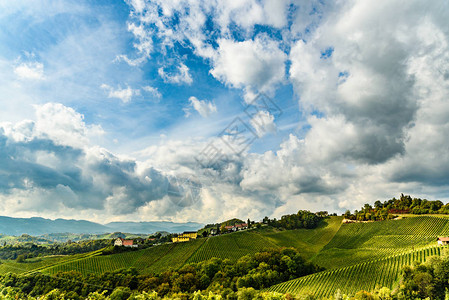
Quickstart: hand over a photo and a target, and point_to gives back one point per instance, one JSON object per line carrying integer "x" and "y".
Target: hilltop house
{"x": 123, "y": 242}
{"x": 236, "y": 227}
{"x": 443, "y": 241}
{"x": 185, "y": 237}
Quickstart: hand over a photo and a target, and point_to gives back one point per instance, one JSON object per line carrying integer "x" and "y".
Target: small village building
{"x": 230, "y": 228}
{"x": 185, "y": 237}
{"x": 125, "y": 243}
{"x": 236, "y": 227}
{"x": 443, "y": 241}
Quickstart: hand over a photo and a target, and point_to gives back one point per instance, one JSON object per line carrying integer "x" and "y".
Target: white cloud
{"x": 30, "y": 70}
{"x": 203, "y": 107}
{"x": 123, "y": 94}
{"x": 152, "y": 90}
{"x": 263, "y": 123}
{"x": 371, "y": 80}
{"x": 257, "y": 65}
{"x": 180, "y": 76}
{"x": 375, "y": 104}
{"x": 63, "y": 125}
{"x": 138, "y": 5}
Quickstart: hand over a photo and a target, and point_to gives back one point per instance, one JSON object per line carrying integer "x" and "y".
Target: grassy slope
{"x": 363, "y": 255}
{"x": 358, "y": 242}
{"x": 362, "y": 276}
{"x": 37, "y": 264}
{"x": 357, "y": 256}
{"x": 159, "y": 258}
{"x": 307, "y": 241}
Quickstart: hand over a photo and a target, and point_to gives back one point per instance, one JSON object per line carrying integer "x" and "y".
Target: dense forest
{"x": 405, "y": 204}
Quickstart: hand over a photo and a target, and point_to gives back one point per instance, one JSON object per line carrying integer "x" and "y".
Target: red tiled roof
{"x": 127, "y": 242}
{"x": 444, "y": 239}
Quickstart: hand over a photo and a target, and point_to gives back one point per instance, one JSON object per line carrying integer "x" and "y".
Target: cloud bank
{"x": 369, "y": 81}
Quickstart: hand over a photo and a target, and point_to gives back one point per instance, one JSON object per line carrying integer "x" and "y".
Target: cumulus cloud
{"x": 47, "y": 164}
{"x": 371, "y": 80}
{"x": 30, "y": 70}
{"x": 253, "y": 64}
{"x": 123, "y": 94}
{"x": 203, "y": 107}
{"x": 263, "y": 123}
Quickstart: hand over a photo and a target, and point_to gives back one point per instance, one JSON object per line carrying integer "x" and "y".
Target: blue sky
{"x": 114, "y": 100}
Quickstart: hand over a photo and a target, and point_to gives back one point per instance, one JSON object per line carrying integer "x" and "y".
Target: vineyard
{"x": 151, "y": 260}
{"x": 359, "y": 242}
{"x": 364, "y": 276}
{"x": 163, "y": 257}
{"x": 37, "y": 264}
{"x": 232, "y": 246}
{"x": 308, "y": 241}
{"x": 357, "y": 256}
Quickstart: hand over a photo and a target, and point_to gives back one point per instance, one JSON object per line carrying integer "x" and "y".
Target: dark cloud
{"x": 70, "y": 172}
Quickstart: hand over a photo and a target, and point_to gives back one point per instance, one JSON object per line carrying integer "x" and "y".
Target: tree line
{"x": 405, "y": 204}
{"x": 302, "y": 219}
{"x": 30, "y": 250}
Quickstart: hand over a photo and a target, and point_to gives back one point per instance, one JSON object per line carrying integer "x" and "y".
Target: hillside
{"x": 162, "y": 257}
{"x": 357, "y": 256}
{"x": 362, "y": 256}
{"x": 358, "y": 242}
{"x": 363, "y": 276}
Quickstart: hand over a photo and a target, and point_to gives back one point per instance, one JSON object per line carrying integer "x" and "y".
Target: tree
{"x": 249, "y": 223}
{"x": 378, "y": 205}
{"x": 347, "y": 214}
{"x": 20, "y": 258}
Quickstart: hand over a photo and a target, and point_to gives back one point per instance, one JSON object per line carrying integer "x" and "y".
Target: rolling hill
{"x": 40, "y": 226}
{"x": 162, "y": 257}
{"x": 362, "y": 276}
{"x": 357, "y": 256}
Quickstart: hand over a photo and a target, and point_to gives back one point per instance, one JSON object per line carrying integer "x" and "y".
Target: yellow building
{"x": 185, "y": 237}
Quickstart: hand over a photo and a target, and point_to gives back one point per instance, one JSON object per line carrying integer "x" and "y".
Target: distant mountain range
{"x": 39, "y": 226}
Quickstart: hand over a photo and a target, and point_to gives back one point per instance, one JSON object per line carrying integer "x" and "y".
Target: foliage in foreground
{"x": 258, "y": 271}
{"x": 420, "y": 281}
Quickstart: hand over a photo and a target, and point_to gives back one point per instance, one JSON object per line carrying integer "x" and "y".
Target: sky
{"x": 189, "y": 110}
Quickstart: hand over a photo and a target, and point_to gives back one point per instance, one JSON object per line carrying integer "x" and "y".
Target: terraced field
{"x": 357, "y": 256}
{"x": 363, "y": 276}
{"x": 151, "y": 260}
{"x": 232, "y": 246}
{"x": 359, "y": 242}
{"x": 160, "y": 258}
{"x": 36, "y": 264}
